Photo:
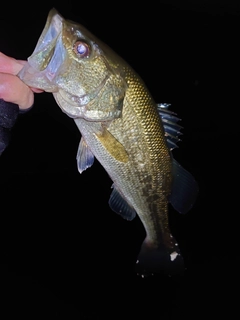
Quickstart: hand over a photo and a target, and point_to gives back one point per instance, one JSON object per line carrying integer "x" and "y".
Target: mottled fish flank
{"x": 122, "y": 127}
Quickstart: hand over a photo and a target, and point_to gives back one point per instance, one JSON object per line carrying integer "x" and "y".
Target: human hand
{"x": 14, "y": 96}
{"x": 12, "y": 89}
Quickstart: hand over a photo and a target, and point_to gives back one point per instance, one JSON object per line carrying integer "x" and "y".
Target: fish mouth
{"x": 49, "y": 59}
{"x": 48, "y": 56}
{"x": 51, "y": 68}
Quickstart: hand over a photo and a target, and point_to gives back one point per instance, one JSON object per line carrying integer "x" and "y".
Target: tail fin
{"x": 160, "y": 260}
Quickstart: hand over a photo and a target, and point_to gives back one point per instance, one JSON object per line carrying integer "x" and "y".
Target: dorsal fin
{"x": 184, "y": 189}
{"x": 170, "y": 124}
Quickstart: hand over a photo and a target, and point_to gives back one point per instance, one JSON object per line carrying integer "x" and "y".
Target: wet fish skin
{"x": 121, "y": 126}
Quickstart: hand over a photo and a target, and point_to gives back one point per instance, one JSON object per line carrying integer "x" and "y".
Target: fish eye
{"x": 82, "y": 49}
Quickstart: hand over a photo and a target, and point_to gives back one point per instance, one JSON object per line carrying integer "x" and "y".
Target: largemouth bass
{"x": 121, "y": 126}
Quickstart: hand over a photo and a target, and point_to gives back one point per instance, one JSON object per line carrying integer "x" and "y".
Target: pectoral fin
{"x": 120, "y": 206}
{"x": 112, "y": 145}
{"x": 85, "y": 157}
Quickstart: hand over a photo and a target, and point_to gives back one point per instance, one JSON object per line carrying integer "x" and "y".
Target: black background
{"x": 64, "y": 253}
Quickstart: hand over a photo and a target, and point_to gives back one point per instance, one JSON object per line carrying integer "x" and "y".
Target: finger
{"x": 10, "y": 65}
{"x": 36, "y": 90}
{"x": 12, "y": 89}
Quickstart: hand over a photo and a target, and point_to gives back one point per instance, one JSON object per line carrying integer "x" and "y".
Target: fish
{"x": 122, "y": 127}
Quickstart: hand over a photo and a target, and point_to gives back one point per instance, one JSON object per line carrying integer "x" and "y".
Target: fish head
{"x": 80, "y": 71}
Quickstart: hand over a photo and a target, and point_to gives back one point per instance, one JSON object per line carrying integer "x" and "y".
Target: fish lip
{"x": 49, "y": 35}
{"x": 35, "y": 73}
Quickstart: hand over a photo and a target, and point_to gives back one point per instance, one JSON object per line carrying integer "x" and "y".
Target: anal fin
{"x": 120, "y": 206}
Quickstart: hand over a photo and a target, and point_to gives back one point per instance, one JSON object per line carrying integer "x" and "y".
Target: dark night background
{"x": 64, "y": 253}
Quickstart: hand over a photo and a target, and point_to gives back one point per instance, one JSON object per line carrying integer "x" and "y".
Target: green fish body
{"x": 121, "y": 126}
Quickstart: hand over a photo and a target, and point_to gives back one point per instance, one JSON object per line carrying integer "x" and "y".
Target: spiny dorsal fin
{"x": 170, "y": 124}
